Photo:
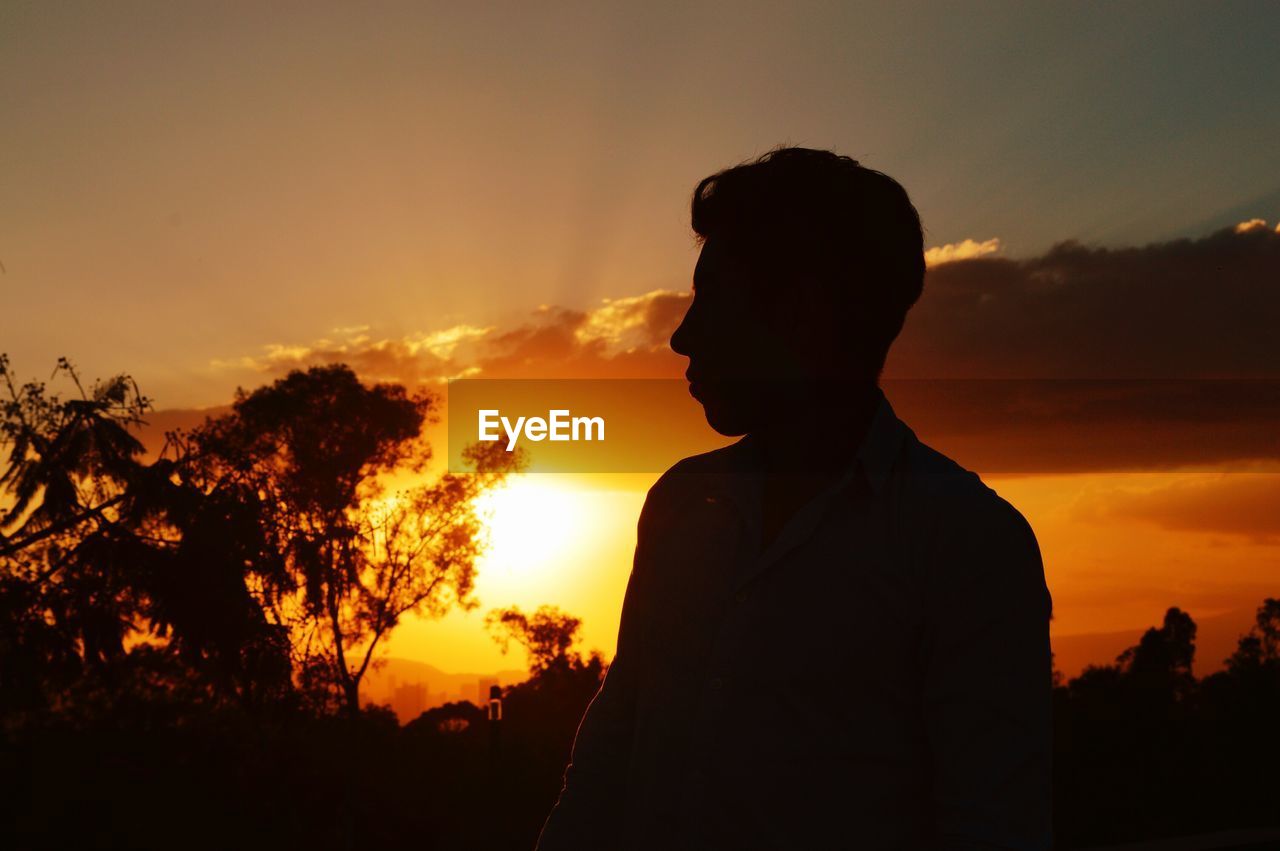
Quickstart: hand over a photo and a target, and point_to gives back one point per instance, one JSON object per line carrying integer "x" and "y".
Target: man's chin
{"x": 729, "y": 422}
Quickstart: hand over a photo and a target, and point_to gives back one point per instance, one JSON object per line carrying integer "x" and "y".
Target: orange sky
{"x": 207, "y": 197}
{"x": 1144, "y": 492}
{"x": 1107, "y": 571}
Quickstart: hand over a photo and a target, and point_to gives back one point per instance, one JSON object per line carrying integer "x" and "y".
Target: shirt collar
{"x": 880, "y": 446}
{"x": 877, "y": 453}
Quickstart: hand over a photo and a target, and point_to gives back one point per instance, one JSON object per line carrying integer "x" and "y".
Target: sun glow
{"x": 535, "y": 525}
{"x": 552, "y": 539}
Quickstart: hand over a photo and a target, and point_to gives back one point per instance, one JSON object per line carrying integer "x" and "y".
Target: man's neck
{"x": 806, "y": 450}
{"x": 820, "y": 433}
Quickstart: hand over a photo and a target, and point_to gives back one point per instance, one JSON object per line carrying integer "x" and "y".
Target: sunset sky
{"x": 205, "y": 196}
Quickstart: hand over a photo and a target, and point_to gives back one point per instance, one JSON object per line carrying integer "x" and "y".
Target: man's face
{"x": 740, "y": 339}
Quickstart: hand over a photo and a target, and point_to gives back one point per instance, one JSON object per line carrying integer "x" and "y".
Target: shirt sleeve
{"x": 588, "y": 814}
{"x": 987, "y": 690}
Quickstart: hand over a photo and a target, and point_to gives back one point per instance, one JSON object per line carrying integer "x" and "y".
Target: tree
{"x": 73, "y": 455}
{"x": 309, "y": 451}
{"x": 68, "y": 585}
{"x": 1164, "y": 655}
{"x": 105, "y": 547}
{"x": 1259, "y": 648}
{"x": 257, "y": 548}
{"x": 547, "y": 635}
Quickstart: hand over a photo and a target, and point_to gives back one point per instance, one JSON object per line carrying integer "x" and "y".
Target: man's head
{"x": 809, "y": 264}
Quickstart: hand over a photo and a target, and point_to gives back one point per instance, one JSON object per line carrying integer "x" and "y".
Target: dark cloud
{"x": 1206, "y": 308}
{"x": 1075, "y": 426}
{"x": 1102, "y": 341}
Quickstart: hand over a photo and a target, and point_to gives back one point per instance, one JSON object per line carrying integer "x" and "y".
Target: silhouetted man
{"x": 833, "y": 636}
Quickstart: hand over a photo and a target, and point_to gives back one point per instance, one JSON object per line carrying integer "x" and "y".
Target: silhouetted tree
{"x": 541, "y": 714}
{"x": 67, "y": 461}
{"x": 547, "y": 635}
{"x": 106, "y": 547}
{"x": 1259, "y": 648}
{"x": 258, "y": 547}
{"x": 261, "y": 548}
{"x": 311, "y": 448}
{"x": 68, "y": 590}
{"x": 1164, "y": 655}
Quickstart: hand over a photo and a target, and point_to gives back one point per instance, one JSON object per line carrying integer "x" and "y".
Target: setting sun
{"x": 534, "y": 526}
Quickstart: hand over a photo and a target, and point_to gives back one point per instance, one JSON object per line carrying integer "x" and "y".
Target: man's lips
{"x": 697, "y": 384}
{"x": 693, "y": 383}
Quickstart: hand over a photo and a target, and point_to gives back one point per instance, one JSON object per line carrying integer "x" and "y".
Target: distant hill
{"x": 1216, "y": 639}
{"x": 442, "y": 687}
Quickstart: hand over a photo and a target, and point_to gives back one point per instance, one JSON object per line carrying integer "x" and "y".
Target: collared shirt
{"x": 877, "y": 677}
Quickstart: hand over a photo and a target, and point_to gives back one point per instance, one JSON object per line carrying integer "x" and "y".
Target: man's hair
{"x": 800, "y": 213}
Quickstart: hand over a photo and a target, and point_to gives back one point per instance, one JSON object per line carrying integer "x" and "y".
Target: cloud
{"x": 409, "y": 360}
{"x": 1251, "y": 224}
{"x": 1078, "y": 426}
{"x": 621, "y": 323}
{"x": 1080, "y": 359}
{"x": 1228, "y": 504}
{"x": 1089, "y": 358}
{"x": 621, "y": 338}
{"x": 965, "y": 250}
{"x": 443, "y": 344}
{"x": 1205, "y": 308}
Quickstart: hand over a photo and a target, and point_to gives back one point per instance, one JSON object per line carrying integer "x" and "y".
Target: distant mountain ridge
{"x": 377, "y": 686}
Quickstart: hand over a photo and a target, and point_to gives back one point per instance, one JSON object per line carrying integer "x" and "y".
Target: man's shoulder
{"x": 694, "y": 477}
{"x": 940, "y": 485}
{"x": 696, "y": 470}
{"x": 973, "y": 533}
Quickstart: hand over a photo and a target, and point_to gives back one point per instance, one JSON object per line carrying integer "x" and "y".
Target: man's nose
{"x": 682, "y": 337}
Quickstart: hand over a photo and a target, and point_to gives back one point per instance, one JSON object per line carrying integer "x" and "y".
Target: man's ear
{"x": 816, "y": 325}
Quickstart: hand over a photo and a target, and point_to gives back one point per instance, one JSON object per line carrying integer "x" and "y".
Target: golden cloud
{"x": 621, "y": 338}
{"x": 965, "y": 250}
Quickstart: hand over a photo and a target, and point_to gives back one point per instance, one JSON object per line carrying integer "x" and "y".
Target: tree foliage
{"x": 260, "y": 548}
{"x": 547, "y": 636}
